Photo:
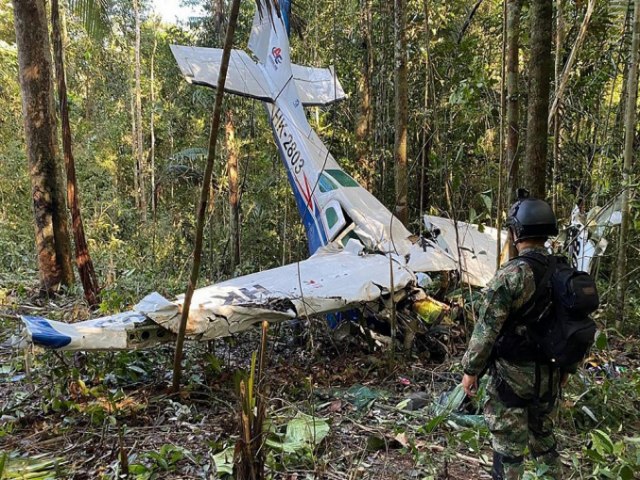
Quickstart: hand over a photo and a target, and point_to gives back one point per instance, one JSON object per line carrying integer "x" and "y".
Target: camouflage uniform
{"x": 512, "y": 427}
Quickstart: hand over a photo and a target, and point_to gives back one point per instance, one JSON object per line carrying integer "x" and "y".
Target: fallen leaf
{"x": 335, "y": 406}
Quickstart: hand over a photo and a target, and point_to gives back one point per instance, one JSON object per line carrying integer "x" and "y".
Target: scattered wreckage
{"x": 362, "y": 257}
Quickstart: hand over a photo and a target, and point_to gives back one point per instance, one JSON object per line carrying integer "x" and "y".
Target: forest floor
{"x": 100, "y": 415}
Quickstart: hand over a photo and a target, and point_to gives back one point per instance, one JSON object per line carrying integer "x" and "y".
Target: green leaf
{"x": 304, "y": 432}
{"x": 601, "y": 341}
{"x": 602, "y": 442}
{"x": 135, "y": 368}
{"x": 625, "y": 473}
{"x": 224, "y": 461}
{"x": 94, "y": 15}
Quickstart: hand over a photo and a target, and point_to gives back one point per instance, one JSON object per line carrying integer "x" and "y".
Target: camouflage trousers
{"x": 513, "y": 429}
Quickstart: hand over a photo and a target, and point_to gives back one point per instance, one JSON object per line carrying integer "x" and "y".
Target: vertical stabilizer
{"x": 270, "y": 44}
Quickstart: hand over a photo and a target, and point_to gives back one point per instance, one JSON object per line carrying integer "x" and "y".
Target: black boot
{"x": 497, "y": 471}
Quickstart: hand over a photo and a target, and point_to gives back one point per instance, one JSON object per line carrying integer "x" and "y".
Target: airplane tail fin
{"x": 269, "y": 42}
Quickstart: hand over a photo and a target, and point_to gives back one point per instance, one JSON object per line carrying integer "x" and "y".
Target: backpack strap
{"x": 543, "y": 267}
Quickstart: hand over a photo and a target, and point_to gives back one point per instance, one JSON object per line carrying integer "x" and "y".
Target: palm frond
{"x": 94, "y": 15}
{"x": 261, "y": 5}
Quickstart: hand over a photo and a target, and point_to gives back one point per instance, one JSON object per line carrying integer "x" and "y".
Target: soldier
{"x": 521, "y": 393}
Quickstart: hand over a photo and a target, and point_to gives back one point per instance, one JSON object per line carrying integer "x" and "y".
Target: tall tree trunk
{"x": 134, "y": 152}
{"x": 152, "y": 128}
{"x": 501, "y": 136}
{"x": 424, "y": 186}
{"x": 557, "y": 119}
{"x": 513, "y": 104}
{"x": 627, "y": 172}
{"x": 34, "y": 61}
{"x": 562, "y": 84}
{"x": 218, "y": 21}
{"x": 234, "y": 197}
{"x": 540, "y": 67}
{"x": 83, "y": 258}
{"x": 142, "y": 171}
{"x": 401, "y": 112}
{"x": 365, "y": 119}
{"x": 204, "y": 194}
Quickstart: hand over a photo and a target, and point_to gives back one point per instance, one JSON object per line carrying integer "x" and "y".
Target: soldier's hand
{"x": 470, "y": 384}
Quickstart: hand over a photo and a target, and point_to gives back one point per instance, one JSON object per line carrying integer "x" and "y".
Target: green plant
{"x": 615, "y": 459}
{"x": 151, "y": 465}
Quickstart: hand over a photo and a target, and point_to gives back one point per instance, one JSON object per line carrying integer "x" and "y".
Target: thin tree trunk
{"x": 152, "y": 154}
{"x": 134, "y": 153}
{"x": 467, "y": 22}
{"x": 560, "y": 87}
{"x": 627, "y": 172}
{"x": 557, "y": 124}
{"x": 234, "y": 197}
{"x": 513, "y": 104}
{"x": 401, "y": 112}
{"x": 83, "y": 258}
{"x": 204, "y": 195}
{"x": 540, "y": 67}
{"x": 502, "y": 143}
{"x": 218, "y": 21}
{"x": 425, "y": 153}
{"x": 364, "y": 125}
{"x": 139, "y": 143}
{"x": 34, "y": 62}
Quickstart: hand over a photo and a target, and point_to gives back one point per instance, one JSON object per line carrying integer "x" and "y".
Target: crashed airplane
{"x": 361, "y": 255}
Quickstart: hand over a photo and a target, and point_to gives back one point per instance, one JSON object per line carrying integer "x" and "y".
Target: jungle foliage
{"x": 455, "y": 167}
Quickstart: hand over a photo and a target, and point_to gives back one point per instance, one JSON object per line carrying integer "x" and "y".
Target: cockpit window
{"x": 342, "y": 178}
{"x": 325, "y": 184}
{"x": 332, "y": 217}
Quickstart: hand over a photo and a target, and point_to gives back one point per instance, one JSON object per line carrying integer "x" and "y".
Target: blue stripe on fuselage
{"x": 316, "y": 236}
{"x": 43, "y": 333}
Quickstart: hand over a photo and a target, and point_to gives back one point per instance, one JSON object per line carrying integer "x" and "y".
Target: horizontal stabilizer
{"x": 317, "y": 86}
{"x": 201, "y": 66}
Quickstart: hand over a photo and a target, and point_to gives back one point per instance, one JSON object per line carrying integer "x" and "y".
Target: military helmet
{"x": 531, "y": 218}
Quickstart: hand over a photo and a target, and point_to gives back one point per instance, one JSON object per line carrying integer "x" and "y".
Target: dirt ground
{"x": 98, "y": 415}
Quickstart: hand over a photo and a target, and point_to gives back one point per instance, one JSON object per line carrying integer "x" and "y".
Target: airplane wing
{"x": 327, "y": 282}
{"x": 476, "y": 254}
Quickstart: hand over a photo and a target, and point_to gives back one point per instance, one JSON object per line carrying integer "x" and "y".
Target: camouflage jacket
{"x": 511, "y": 287}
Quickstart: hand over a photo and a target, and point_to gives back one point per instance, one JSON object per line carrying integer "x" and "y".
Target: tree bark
{"x": 218, "y": 21}
{"x": 540, "y": 67}
{"x": 401, "y": 107}
{"x": 425, "y": 151}
{"x": 142, "y": 171}
{"x": 365, "y": 119}
{"x": 628, "y": 179}
{"x": 204, "y": 194}
{"x": 560, "y": 87}
{"x": 152, "y": 152}
{"x": 234, "y": 197}
{"x": 513, "y": 104}
{"x": 557, "y": 118}
{"x": 84, "y": 262}
{"x": 34, "y": 61}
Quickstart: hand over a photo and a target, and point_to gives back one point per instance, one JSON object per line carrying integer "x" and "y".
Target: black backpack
{"x": 559, "y": 330}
